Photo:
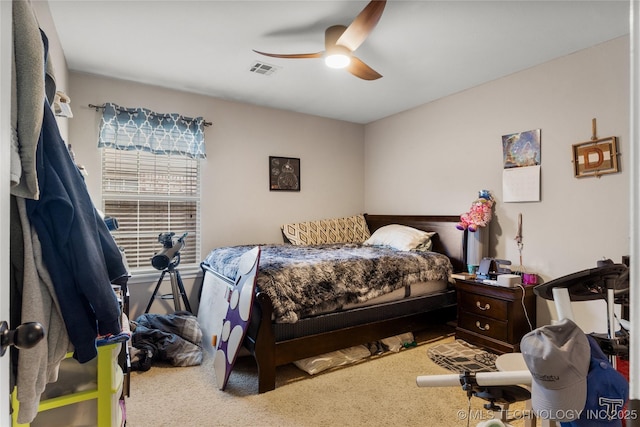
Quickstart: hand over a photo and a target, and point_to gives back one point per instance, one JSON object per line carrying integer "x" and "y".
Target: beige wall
{"x": 237, "y": 206}
{"x": 56, "y": 55}
{"x": 435, "y": 158}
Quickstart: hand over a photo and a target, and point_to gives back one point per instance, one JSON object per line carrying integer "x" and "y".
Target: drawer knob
{"x": 483, "y": 307}
{"x": 482, "y": 328}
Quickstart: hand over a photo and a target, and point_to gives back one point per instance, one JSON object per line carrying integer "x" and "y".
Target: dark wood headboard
{"x": 448, "y": 240}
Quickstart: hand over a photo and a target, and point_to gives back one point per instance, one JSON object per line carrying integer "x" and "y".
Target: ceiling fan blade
{"x": 362, "y": 70}
{"x": 291, "y": 55}
{"x": 361, "y": 27}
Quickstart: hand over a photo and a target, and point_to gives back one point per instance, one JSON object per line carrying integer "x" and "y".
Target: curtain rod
{"x": 101, "y": 107}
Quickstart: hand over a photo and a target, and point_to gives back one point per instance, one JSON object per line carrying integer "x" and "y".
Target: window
{"x": 148, "y": 195}
{"x": 151, "y": 180}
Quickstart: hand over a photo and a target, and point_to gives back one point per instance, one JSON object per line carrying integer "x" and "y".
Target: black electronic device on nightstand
{"x": 490, "y": 268}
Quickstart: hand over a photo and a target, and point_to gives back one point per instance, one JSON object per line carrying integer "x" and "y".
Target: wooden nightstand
{"x": 492, "y": 316}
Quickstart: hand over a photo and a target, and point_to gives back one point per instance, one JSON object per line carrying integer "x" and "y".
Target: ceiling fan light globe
{"x": 338, "y": 60}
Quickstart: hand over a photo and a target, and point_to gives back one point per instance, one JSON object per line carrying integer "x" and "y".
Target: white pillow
{"x": 401, "y": 237}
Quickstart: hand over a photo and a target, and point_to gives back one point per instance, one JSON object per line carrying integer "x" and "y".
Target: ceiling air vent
{"x": 262, "y": 68}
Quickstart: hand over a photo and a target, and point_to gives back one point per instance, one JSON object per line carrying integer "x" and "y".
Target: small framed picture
{"x": 284, "y": 174}
{"x": 596, "y": 157}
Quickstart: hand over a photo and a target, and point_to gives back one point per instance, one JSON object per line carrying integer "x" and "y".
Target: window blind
{"x": 151, "y": 194}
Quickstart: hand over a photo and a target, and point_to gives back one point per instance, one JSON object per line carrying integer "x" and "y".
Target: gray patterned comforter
{"x": 306, "y": 280}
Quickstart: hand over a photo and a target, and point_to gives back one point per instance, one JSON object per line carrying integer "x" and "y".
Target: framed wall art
{"x": 284, "y": 173}
{"x": 596, "y": 157}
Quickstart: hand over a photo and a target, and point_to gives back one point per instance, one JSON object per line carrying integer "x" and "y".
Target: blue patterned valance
{"x": 141, "y": 129}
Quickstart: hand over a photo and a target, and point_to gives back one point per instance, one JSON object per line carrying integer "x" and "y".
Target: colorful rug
{"x": 460, "y": 356}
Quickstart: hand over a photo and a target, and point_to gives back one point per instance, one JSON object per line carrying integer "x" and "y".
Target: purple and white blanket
{"x": 306, "y": 280}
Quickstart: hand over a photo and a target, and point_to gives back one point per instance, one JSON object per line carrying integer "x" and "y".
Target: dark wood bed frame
{"x": 270, "y": 352}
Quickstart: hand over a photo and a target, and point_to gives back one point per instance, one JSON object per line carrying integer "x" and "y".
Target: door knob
{"x": 24, "y": 336}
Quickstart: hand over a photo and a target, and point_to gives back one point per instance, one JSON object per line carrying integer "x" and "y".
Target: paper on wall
{"x": 521, "y": 184}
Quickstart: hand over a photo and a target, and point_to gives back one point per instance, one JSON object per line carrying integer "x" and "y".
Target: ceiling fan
{"x": 340, "y": 43}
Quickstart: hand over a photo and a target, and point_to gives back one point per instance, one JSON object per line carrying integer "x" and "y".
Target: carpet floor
{"x": 378, "y": 391}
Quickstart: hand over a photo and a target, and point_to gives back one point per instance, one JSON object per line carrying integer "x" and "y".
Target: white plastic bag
{"x": 314, "y": 365}
{"x": 396, "y": 342}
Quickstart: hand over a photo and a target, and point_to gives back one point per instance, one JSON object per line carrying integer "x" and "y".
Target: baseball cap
{"x": 558, "y": 357}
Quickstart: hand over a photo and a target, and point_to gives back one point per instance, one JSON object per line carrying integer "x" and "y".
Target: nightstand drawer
{"x": 484, "y": 325}
{"x": 484, "y": 306}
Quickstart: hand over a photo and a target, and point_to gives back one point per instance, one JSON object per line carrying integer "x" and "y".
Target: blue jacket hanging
{"x": 77, "y": 248}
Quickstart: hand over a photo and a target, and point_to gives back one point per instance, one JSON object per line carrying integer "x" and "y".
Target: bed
{"x": 277, "y": 337}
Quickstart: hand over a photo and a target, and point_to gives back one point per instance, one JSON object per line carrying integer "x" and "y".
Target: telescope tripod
{"x": 177, "y": 290}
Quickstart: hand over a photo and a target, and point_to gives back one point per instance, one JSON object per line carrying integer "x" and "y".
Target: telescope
{"x": 167, "y": 260}
{"x": 169, "y": 256}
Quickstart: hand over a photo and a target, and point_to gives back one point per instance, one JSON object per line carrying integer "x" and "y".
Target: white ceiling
{"x": 424, "y": 49}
